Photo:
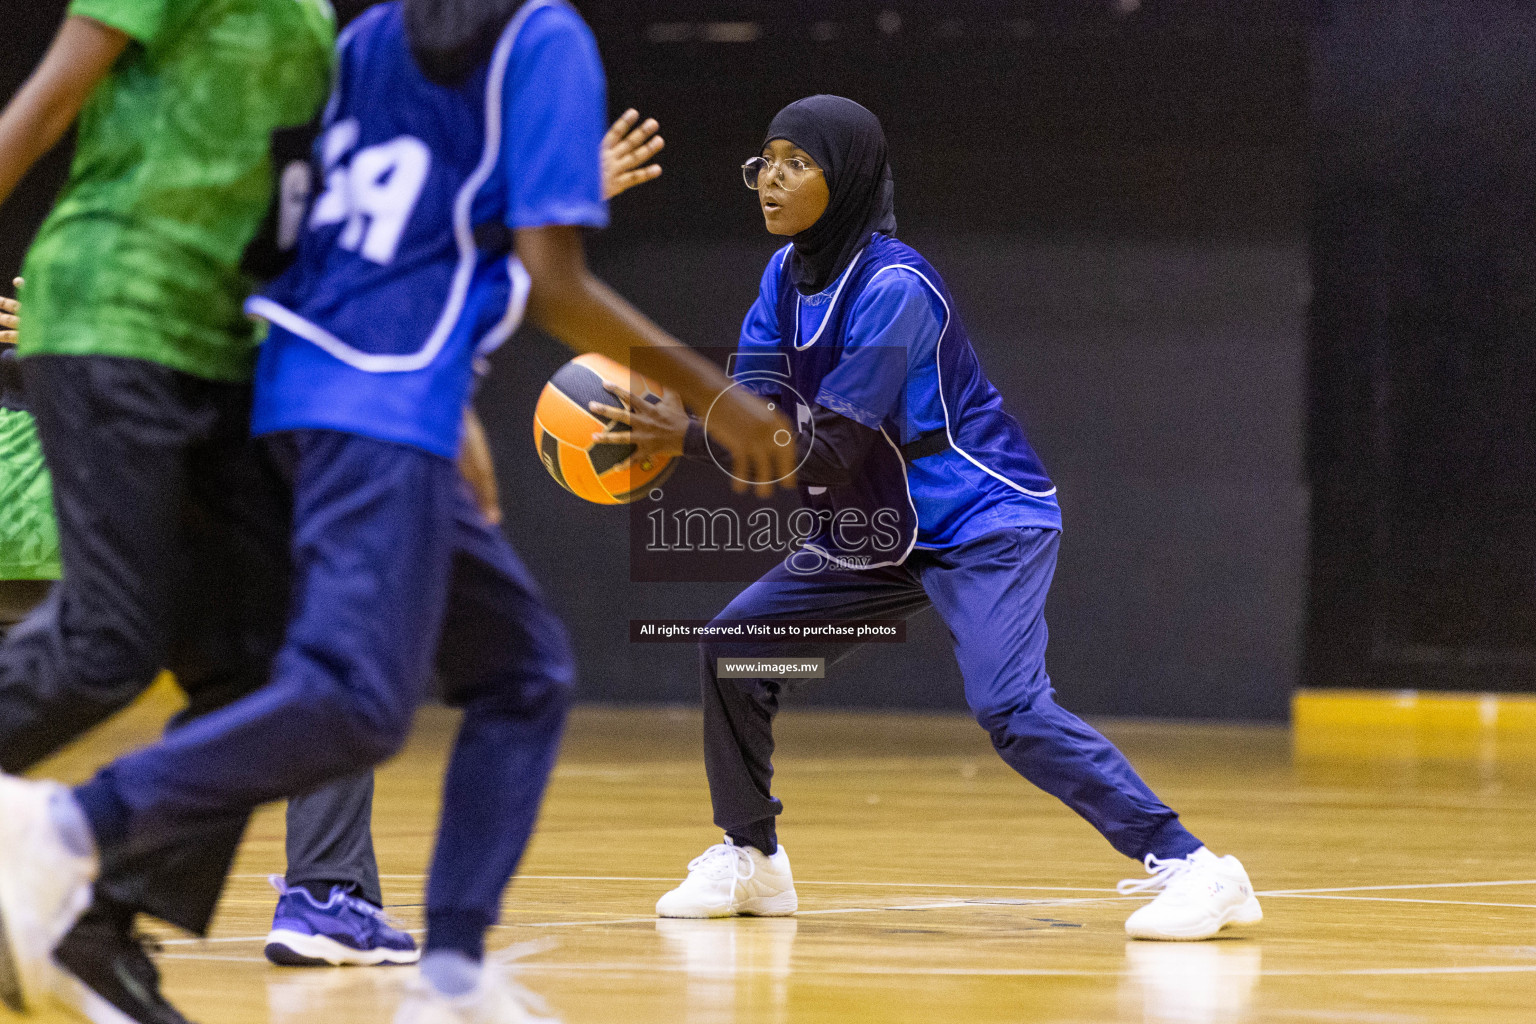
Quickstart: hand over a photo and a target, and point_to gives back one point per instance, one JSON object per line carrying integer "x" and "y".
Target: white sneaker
{"x": 496, "y": 1001}
{"x": 44, "y": 888}
{"x": 726, "y": 880}
{"x": 1198, "y": 896}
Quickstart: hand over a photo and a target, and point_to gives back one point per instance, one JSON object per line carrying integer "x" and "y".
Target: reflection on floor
{"x": 736, "y": 969}
{"x": 1399, "y": 883}
{"x": 1190, "y": 982}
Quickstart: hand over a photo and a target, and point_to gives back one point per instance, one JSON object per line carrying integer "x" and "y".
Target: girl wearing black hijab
{"x": 926, "y": 494}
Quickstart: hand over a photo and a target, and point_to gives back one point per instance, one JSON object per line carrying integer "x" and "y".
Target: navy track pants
{"x": 991, "y": 593}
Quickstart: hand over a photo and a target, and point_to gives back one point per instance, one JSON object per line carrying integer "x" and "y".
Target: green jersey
{"x": 171, "y": 179}
{"x": 29, "y": 539}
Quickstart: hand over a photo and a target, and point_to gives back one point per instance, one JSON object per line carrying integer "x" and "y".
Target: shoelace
{"x": 722, "y": 851}
{"x": 279, "y": 883}
{"x": 379, "y": 914}
{"x": 348, "y": 900}
{"x": 1163, "y": 873}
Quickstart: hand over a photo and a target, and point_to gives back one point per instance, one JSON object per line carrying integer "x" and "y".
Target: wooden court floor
{"x": 1399, "y": 884}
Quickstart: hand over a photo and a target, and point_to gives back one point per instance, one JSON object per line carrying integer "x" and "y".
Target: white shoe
{"x": 44, "y": 888}
{"x": 726, "y": 880}
{"x": 496, "y": 1001}
{"x": 1198, "y": 896}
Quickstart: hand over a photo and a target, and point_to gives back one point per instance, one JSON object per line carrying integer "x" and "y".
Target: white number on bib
{"x": 374, "y": 194}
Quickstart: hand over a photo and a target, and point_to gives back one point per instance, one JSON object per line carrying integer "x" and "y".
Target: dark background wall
{"x": 1424, "y": 347}
{"x": 1117, "y": 195}
{"x": 28, "y": 32}
{"x": 1119, "y": 204}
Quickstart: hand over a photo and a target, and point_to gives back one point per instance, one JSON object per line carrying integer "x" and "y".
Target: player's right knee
{"x": 371, "y": 726}
{"x": 1002, "y": 718}
{"x": 372, "y": 743}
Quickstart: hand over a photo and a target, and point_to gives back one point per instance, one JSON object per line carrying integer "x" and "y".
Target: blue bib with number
{"x": 404, "y": 274}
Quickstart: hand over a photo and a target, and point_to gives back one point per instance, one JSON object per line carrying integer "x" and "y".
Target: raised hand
{"x": 627, "y": 153}
{"x": 10, "y": 317}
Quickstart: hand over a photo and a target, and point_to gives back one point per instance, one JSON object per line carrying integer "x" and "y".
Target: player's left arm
{"x": 478, "y": 468}
{"x": 81, "y": 55}
{"x": 11, "y": 383}
{"x": 552, "y": 147}
{"x": 666, "y": 429}
{"x": 628, "y": 149}
{"x": 627, "y": 152}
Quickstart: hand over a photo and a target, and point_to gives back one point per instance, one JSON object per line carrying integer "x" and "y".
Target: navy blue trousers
{"x": 390, "y": 555}
{"x": 991, "y": 593}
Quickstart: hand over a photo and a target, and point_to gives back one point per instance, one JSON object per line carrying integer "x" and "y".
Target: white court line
{"x": 1392, "y": 899}
{"x": 873, "y": 885}
{"x": 1366, "y": 971}
{"x": 944, "y": 905}
{"x": 955, "y": 885}
{"x": 206, "y": 957}
{"x": 1044, "y": 888}
{"x": 739, "y": 970}
{"x": 673, "y": 879}
{"x": 1327, "y": 893}
{"x": 1383, "y": 888}
{"x": 535, "y": 967}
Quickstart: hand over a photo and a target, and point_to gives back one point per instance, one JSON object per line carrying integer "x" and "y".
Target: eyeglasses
{"x": 792, "y": 172}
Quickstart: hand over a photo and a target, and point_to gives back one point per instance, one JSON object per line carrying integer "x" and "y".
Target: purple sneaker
{"x": 343, "y": 930}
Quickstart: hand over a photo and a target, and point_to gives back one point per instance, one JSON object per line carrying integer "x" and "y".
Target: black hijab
{"x": 451, "y": 38}
{"x": 847, "y": 142}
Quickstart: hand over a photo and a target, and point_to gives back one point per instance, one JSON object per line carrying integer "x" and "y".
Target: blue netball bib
{"x": 404, "y": 274}
{"x": 884, "y": 347}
